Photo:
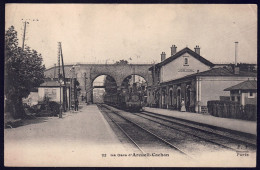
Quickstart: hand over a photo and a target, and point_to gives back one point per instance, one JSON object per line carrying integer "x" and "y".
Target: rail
{"x": 151, "y": 133}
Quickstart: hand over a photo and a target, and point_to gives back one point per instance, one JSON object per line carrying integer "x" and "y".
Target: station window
{"x": 238, "y": 98}
{"x": 251, "y": 95}
{"x": 186, "y": 61}
{"x": 232, "y": 98}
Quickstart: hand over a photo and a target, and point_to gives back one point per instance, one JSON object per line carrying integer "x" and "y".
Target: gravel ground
{"x": 196, "y": 147}
{"x": 213, "y": 137}
{"x": 234, "y": 124}
{"x": 79, "y": 139}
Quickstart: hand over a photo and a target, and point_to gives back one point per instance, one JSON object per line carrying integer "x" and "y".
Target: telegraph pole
{"x": 65, "y": 87}
{"x": 59, "y": 78}
{"x": 24, "y": 32}
{"x": 54, "y": 74}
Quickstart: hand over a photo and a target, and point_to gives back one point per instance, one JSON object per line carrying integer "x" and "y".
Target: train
{"x": 125, "y": 99}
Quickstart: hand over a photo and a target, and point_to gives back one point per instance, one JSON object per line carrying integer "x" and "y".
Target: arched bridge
{"x": 87, "y": 73}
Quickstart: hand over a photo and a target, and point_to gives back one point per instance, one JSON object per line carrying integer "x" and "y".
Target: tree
{"x": 110, "y": 85}
{"x": 122, "y": 62}
{"x": 247, "y": 67}
{"x": 244, "y": 67}
{"x": 23, "y": 72}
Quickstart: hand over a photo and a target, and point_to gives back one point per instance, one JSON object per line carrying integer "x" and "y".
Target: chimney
{"x": 163, "y": 56}
{"x": 236, "y": 68}
{"x": 173, "y": 50}
{"x": 236, "y": 44}
{"x": 197, "y": 49}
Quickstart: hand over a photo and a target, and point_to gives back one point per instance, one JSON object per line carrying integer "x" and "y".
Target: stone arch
{"x": 101, "y": 74}
{"x": 87, "y": 73}
{"x": 92, "y": 92}
{"x": 134, "y": 74}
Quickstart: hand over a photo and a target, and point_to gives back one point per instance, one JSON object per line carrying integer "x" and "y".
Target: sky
{"x": 139, "y": 33}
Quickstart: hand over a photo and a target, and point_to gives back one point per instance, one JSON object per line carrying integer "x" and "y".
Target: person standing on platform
{"x": 76, "y": 105}
{"x": 183, "y": 109}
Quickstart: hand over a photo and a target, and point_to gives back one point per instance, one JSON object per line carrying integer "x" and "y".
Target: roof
{"x": 220, "y": 71}
{"x": 180, "y": 53}
{"x": 50, "y": 84}
{"x": 246, "y": 85}
{"x": 223, "y": 71}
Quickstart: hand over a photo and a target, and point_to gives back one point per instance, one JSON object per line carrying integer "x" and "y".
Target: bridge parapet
{"x": 87, "y": 73}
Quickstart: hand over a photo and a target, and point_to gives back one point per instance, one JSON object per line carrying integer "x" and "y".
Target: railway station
{"x": 105, "y": 140}
{"x": 130, "y": 85}
{"x": 160, "y": 110}
{"x": 164, "y": 110}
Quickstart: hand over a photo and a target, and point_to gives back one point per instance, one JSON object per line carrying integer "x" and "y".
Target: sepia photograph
{"x": 130, "y": 85}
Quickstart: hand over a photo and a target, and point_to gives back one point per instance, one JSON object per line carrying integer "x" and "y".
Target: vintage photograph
{"x": 130, "y": 85}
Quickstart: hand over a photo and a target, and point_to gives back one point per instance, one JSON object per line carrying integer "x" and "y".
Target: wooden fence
{"x": 230, "y": 109}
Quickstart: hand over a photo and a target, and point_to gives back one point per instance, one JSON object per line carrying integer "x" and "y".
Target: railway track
{"x": 141, "y": 137}
{"x": 217, "y": 137}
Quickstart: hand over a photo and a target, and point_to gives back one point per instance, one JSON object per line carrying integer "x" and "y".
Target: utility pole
{"x": 24, "y": 32}
{"x": 54, "y": 71}
{"x": 64, "y": 79}
{"x": 59, "y": 78}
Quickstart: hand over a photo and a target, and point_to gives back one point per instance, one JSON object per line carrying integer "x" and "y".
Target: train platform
{"x": 81, "y": 138}
{"x": 226, "y": 123}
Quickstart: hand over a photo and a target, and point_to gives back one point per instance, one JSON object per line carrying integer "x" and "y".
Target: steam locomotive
{"x": 126, "y": 99}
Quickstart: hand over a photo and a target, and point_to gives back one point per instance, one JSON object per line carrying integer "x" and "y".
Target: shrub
{"x": 47, "y": 108}
{"x": 54, "y": 108}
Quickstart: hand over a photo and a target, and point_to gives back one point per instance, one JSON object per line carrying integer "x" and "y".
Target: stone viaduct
{"x": 87, "y": 73}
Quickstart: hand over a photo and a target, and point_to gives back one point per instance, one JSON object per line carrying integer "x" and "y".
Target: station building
{"x": 52, "y": 89}
{"x": 244, "y": 93}
{"x": 188, "y": 77}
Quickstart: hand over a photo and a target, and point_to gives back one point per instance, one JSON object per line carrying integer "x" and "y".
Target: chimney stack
{"x": 236, "y": 68}
{"x": 197, "y": 49}
{"x": 236, "y": 44}
{"x": 173, "y": 50}
{"x": 163, "y": 56}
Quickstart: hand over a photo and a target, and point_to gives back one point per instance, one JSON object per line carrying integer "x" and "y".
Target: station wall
{"x": 213, "y": 87}
{"x": 177, "y": 68}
